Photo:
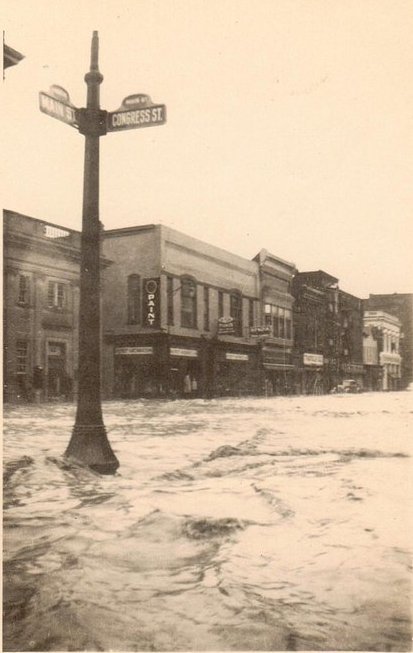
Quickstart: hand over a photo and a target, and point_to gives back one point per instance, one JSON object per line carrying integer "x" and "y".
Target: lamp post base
{"x": 90, "y": 447}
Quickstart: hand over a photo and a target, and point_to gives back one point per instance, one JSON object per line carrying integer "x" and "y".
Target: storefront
{"x": 136, "y": 371}
{"x": 236, "y": 370}
{"x": 312, "y": 374}
{"x": 278, "y": 370}
{"x": 184, "y": 373}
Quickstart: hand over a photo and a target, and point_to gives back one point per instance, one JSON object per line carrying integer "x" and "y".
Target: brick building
{"x": 177, "y": 314}
{"x": 328, "y": 333}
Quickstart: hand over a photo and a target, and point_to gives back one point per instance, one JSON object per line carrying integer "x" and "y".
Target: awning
{"x": 276, "y": 366}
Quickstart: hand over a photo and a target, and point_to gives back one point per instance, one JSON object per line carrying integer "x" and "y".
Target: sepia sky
{"x": 290, "y": 125}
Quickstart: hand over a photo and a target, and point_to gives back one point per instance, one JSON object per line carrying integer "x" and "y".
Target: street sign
{"x": 134, "y": 118}
{"x": 57, "y": 109}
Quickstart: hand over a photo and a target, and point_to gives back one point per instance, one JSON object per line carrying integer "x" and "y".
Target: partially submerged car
{"x": 347, "y": 385}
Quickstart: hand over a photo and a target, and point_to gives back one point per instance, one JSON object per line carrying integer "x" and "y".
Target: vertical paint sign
{"x": 151, "y": 303}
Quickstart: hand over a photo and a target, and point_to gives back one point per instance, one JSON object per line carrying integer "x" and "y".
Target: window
{"x": 273, "y": 321}
{"x": 134, "y": 299}
{"x": 236, "y": 312}
{"x": 188, "y": 303}
{"x": 21, "y": 356}
{"x": 206, "y": 308}
{"x": 288, "y": 324}
{"x": 251, "y": 313}
{"x": 56, "y": 295}
{"x": 280, "y": 321}
{"x": 220, "y": 303}
{"x": 170, "y": 300}
{"x": 24, "y": 289}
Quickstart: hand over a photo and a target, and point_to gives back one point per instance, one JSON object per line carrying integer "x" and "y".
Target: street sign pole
{"x": 89, "y": 444}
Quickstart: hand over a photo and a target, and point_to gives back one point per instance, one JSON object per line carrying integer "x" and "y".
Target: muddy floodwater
{"x": 232, "y": 524}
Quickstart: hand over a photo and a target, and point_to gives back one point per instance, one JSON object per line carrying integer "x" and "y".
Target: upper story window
{"x": 188, "y": 303}
{"x": 280, "y": 321}
{"x": 236, "y": 312}
{"x": 170, "y": 300}
{"x": 206, "y": 308}
{"x": 134, "y": 299}
{"x": 24, "y": 290}
{"x": 21, "y": 356}
{"x": 220, "y": 303}
{"x": 56, "y": 295}
{"x": 251, "y": 313}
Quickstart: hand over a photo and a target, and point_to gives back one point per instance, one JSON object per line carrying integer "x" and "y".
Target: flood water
{"x": 232, "y": 524}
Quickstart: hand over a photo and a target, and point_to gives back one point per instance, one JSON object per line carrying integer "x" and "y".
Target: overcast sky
{"x": 290, "y": 125}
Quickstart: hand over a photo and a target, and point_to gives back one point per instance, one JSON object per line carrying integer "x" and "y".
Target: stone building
{"x": 382, "y": 349}
{"x": 40, "y": 303}
{"x": 399, "y": 305}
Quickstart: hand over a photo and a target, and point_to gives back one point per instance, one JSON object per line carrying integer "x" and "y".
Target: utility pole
{"x": 89, "y": 445}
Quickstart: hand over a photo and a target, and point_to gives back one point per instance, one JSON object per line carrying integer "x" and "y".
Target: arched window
{"x": 235, "y": 308}
{"x": 188, "y": 303}
{"x": 134, "y": 299}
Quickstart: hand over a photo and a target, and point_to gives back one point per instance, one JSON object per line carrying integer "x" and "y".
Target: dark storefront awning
{"x": 277, "y": 366}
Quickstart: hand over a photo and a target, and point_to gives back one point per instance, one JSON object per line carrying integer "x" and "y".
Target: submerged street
{"x": 232, "y": 524}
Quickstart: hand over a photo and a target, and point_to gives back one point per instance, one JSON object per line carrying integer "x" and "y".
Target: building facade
{"x": 382, "y": 349}
{"x": 399, "y": 305}
{"x": 177, "y": 314}
{"x": 328, "y": 326}
{"x": 277, "y": 332}
{"x": 41, "y": 307}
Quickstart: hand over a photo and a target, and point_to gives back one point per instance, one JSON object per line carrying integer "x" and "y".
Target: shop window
{"x": 56, "y": 295}
{"x": 134, "y": 299}
{"x": 220, "y": 303}
{"x": 206, "y": 308}
{"x": 236, "y": 312}
{"x": 24, "y": 290}
{"x": 188, "y": 303}
{"x": 170, "y": 300}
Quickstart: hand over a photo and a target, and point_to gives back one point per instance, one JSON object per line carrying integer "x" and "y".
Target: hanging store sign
{"x": 313, "y": 359}
{"x": 187, "y": 353}
{"x": 151, "y": 303}
{"x": 236, "y": 357}
{"x": 260, "y": 331}
{"x": 134, "y": 351}
{"x": 225, "y": 325}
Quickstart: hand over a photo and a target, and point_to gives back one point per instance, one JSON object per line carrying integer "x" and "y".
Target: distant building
{"x": 381, "y": 348}
{"x": 351, "y": 337}
{"x": 328, "y": 333}
{"x": 401, "y": 306}
{"x": 275, "y": 281}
